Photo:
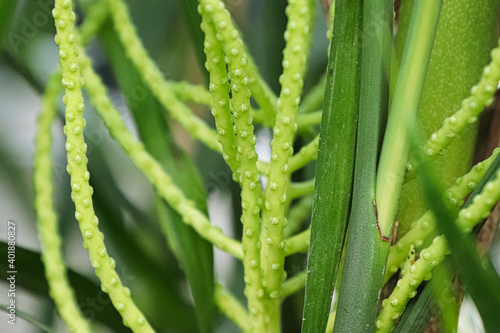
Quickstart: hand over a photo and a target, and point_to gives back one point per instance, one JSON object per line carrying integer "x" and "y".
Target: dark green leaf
{"x": 334, "y": 172}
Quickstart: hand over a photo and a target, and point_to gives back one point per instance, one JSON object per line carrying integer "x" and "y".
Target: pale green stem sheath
{"x": 405, "y": 104}
{"x": 297, "y": 37}
{"x": 305, "y": 155}
{"x": 81, "y": 193}
{"x": 426, "y": 224}
{"x": 429, "y": 258}
{"x": 232, "y": 308}
{"x": 480, "y": 97}
{"x": 219, "y": 88}
{"x": 213, "y": 13}
{"x": 150, "y": 167}
{"x": 154, "y": 78}
{"x": 48, "y": 226}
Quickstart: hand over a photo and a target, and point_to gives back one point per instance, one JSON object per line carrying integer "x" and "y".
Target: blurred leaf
{"x": 28, "y": 318}
{"x": 95, "y": 303}
{"x": 7, "y": 8}
{"x": 193, "y": 19}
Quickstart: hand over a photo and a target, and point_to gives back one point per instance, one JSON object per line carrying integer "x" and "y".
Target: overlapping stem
{"x": 48, "y": 226}
{"x": 297, "y": 40}
{"x": 154, "y": 78}
{"x": 216, "y": 15}
{"x": 219, "y": 88}
{"x": 480, "y": 97}
{"x": 150, "y": 167}
{"x": 81, "y": 193}
{"x": 434, "y": 254}
{"x": 426, "y": 224}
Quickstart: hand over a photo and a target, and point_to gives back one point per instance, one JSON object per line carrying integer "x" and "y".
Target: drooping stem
{"x": 81, "y": 193}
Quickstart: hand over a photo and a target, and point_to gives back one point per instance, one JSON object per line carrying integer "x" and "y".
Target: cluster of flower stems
{"x": 234, "y": 78}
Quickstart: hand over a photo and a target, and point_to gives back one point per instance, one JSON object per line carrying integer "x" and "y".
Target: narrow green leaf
{"x": 334, "y": 172}
{"x": 366, "y": 251}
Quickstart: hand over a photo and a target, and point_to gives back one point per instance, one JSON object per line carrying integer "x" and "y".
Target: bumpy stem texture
{"x": 48, "y": 226}
{"x": 434, "y": 254}
{"x": 150, "y": 167}
{"x": 219, "y": 88}
{"x": 77, "y": 168}
{"x": 154, "y": 78}
{"x": 295, "y": 57}
{"x": 480, "y": 97}
{"x": 426, "y": 224}
{"x": 232, "y": 308}
{"x": 227, "y": 32}
{"x": 215, "y": 14}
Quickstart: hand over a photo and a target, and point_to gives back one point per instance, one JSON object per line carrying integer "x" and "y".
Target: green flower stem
{"x": 393, "y": 306}
{"x": 81, "y": 193}
{"x": 296, "y": 190}
{"x": 480, "y": 97}
{"x": 219, "y": 88}
{"x": 305, "y": 155}
{"x": 261, "y": 92}
{"x": 213, "y": 13}
{"x": 293, "y": 284}
{"x": 298, "y": 243}
{"x": 434, "y": 254}
{"x": 365, "y": 251}
{"x": 232, "y": 308}
{"x": 426, "y": 224}
{"x": 298, "y": 213}
{"x": 313, "y": 100}
{"x": 48, "y": 226}
{"x": 150, "y": 167}
{"x": 308, "y": 119}
{"x": 297, "y": 37}
{"x": 188, "y": 92}
{"x": 404, "y": 109}
{"x": 154, "y": 78}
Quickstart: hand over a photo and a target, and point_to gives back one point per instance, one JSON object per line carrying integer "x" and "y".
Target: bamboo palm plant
{"x": 373, "y": 180}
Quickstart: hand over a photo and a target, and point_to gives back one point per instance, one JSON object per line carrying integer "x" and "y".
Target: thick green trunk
{"x": 466, "y": 33}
